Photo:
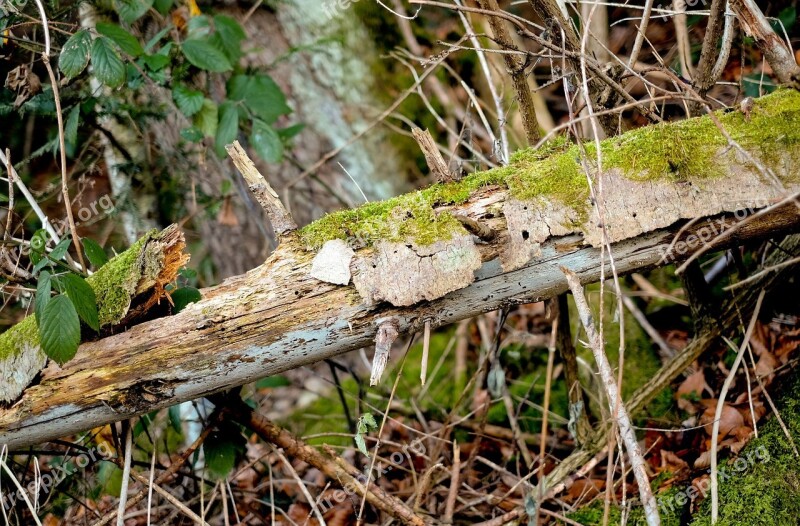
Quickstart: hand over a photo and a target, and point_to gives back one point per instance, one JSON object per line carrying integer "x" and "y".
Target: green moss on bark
{"x": 690, "y": 149}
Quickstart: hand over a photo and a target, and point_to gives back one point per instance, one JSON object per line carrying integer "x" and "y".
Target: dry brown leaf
{"x": 672, "y": 462}
{"x": 692, "y": 387}
{"x": 729, "y": 420}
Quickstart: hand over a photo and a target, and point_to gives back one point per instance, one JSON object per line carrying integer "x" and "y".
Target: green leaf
{"x": 198, "y": 28}
{"x": 207, "y": 118}
{"x": 75, "y": 54}
{"x": 222, "y": 449}
{"x": 148, "y": 47}
{"x": 191, "y": 134}
{"x": 43, "y": 288}
{"x": 127, "y": 42}
{"x": 83, "y": 298}
{"x": 184, "y": 296}
{"x": 108, "y": 67}
{"x": 228, "y": 127}
{"x": 260, "y": 94}
{"x": 174, "y": 413}
{"x": 266, "y": 142}
{"x": 289, "y": 133}
{"x": 163, "y": 6}
{"x": 71, "y": 126}
{"x": 155, "y": 62}
{"x": 203, "y": 54}
{"x": 272, "y": 382}
{"x": 132, "y": 10}
{"x": 94, "y": 253}
{"x": 229, "y": 34}
{"x": 189, "y": 101}
{"x": 361, "y": 444}
{"x": 60, "y": 329}
{"x": 60, "y": 250}
{"x": 38, "y": 243}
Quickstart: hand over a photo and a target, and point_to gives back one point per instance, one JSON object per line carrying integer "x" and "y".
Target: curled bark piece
{"x": 279, "y": 217}
{"x": 387, "y": 334}
{"x": 433, "y": 157}
{"x": 126, "y": 288}
{"x": 332, "y": 263}
{"x": 405, "y": 273}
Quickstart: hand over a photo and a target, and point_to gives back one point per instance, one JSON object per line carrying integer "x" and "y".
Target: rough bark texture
{"x": 278, "y": 317}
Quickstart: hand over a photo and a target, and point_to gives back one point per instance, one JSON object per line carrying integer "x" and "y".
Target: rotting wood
{"x": 276, "y": 317}
{"x": 127, "y": 288}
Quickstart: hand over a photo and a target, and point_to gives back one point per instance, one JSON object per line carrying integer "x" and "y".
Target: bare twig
{"x": 611, "y": 387}
{"x": 704, "y": 78}
{"x": 282, "y": 222}
{"x": 516, "y": 70}
{"x": 721, "y": 403}
{"x": 452, "y": 495}
{"x": 126, "y": 473}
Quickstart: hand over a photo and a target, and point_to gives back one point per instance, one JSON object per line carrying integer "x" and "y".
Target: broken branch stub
{"x": 279, "y": 217}
{"x": 387, "y": 333}
{"x": 433, "y": 157}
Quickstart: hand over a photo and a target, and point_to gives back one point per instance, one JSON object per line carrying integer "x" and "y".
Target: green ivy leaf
{"x": 132, "y": 10}
{"x": 207, "y": 118}
{"x": 83, "y": 298}
{"x": 222, "y": 449}
{"x": 229, "y": 35}
{"x": 43, "y": 288}
{"x": 189, "y": 101}
{"x": 108, "y": 67}
{"x": 94, "y": 253}
{"x": 60, "y": 329}
{"x": 266, "y": 142}
{"x": 60, "y": 250}
{"x": 228, "y": 127}
{"x": 184, "y": 296}
{"x": 126, "y": 42}
{"x": 260, "y": 94}
{"x": 203, "y": 54}
{"x": 75, "y": 54}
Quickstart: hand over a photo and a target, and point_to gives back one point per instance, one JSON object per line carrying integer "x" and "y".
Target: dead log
{"x": 278, "y": 316}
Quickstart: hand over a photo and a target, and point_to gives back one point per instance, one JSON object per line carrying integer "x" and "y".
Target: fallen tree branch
{"x": 278, "y": 317}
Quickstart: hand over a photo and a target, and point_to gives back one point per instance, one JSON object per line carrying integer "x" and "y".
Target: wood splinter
{"x": 433, "y": 158}
{"x": 477, "y": 228}
{"x": 279, "y": 217}
{"x": 387, "y": 333}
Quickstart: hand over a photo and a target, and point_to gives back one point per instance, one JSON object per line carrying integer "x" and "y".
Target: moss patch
{"x": 675, "y": 151}
{"x": 766, "y": 488}
{"x": 24, "y": 334}
{"x": 116, "y": 281}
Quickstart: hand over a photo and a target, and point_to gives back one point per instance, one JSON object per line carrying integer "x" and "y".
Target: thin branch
{"x": 721, "y": 403}
{"x": 614, "y": 401}
{"x": 516, "y": 70}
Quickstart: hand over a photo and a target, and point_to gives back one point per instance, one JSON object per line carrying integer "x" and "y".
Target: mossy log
{"x": 126, "y": 288}
{"x": 540, "y": 217}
